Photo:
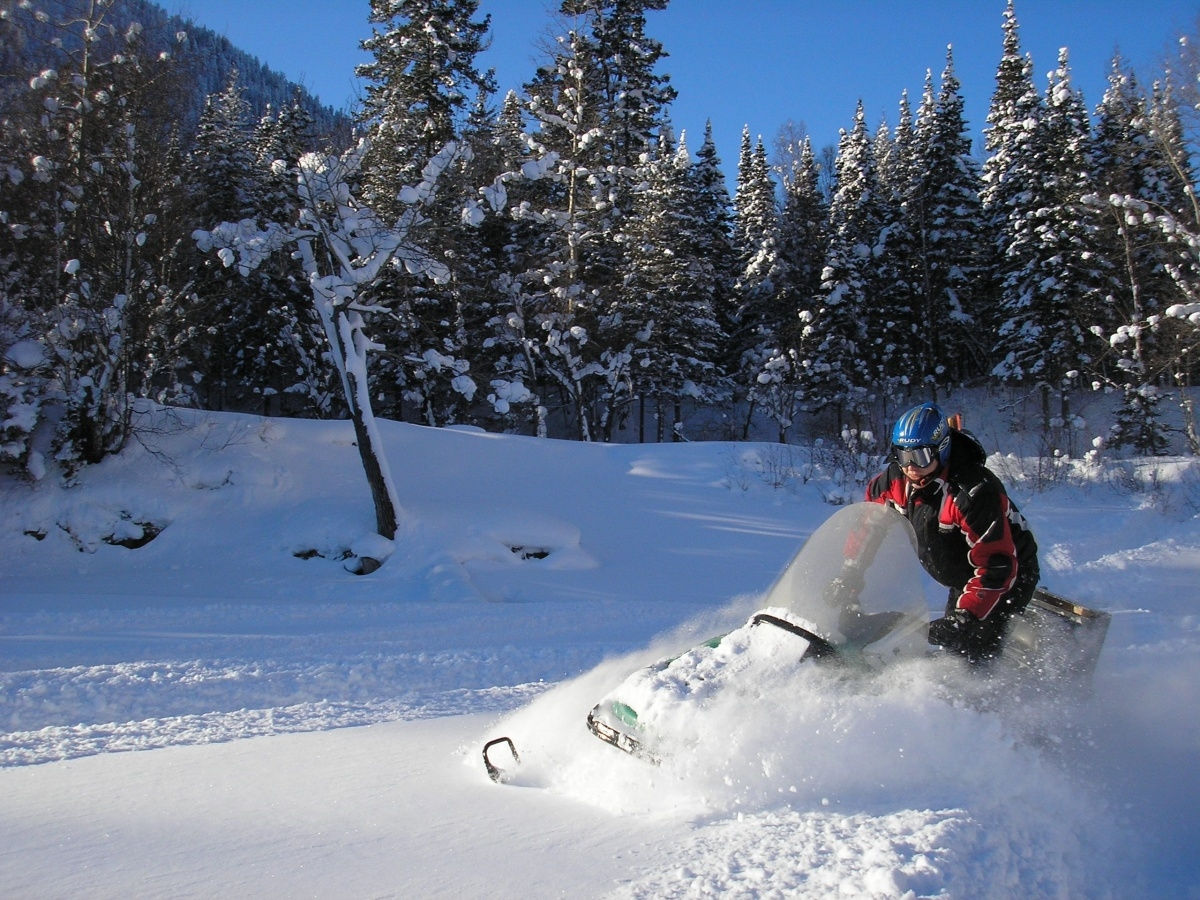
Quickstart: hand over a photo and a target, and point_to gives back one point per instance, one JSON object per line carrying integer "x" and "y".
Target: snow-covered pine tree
{"x": 225, "y": 184}
{"x": 804, "y": 242}
{"x": 560, "y": 297}
{"x": 880, "y": 344}
{"x": 419, "y": 89}
{"x": 896, "y": 353}
{"x": 1128, "y": 164}
{"x": 766, "y": 373}
{"x": 714, "y": 216}
{"x": 285, "y": 362}
{"x": 448, "y": 348}
{"x": 223, "y": 162}
{"x": 512, "y": 347}
{"x": 1182, "y": 317}
{"x": 1008, "y": 173}
{"x": 31, "y": 261}
{"x": 803, "y": 223}
{"x": 480, "y": 255}
{"x": 899, "y": 354}
{"x": 670, "y": 289}
{"x": 840, "y": 367}
{"x": 88, "y": 182}
{"x": 1143, "y": 178}
{"x": 252, "y": 343}
{"x": 593, "y": 108}
{"x": 1174, "y": 104}
{"x": 1055, "y": 276}
{"x": 947, "y": 222}
{"x": 634, "y": 96}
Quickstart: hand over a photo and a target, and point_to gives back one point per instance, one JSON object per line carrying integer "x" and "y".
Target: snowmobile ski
{"x": 496, "y": 773}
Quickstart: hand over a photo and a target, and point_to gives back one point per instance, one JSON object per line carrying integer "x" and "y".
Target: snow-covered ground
{"x": 305, "y": 731}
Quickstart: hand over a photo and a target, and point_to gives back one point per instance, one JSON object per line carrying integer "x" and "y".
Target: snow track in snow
{"x": 68, "y": 712}
{"x": 60, "y": 742}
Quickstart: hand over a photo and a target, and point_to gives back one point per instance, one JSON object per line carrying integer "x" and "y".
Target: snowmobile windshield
{"x": 858, "y": 581}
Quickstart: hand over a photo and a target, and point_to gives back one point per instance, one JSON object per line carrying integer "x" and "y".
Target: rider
{"x": 970, "y": 535}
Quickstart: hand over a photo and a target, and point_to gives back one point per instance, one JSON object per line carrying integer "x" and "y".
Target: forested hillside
{"x": 208, "y": 58}
{"x": 558, "y": 261}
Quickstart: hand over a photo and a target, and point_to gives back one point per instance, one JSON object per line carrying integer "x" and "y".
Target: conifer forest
{"x": 178, "y": 228}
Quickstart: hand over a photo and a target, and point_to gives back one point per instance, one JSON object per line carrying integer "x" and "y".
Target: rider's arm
{"x": 981, "y": 514}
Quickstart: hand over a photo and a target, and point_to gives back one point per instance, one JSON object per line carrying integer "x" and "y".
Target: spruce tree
{"x": 949, "y": 231}
{"x": 804, "y": 242}
{"x": 86, "y": 257}
{"x": 841, "y": 363}
{"x": 804, "y": 222}
{"x": 284, "y": 366}
{"x": 1133, "y": 164}
{"x": 1009, "y": 176}
{"x": 225, "y": 184}
{"x": 766, "y": 373}
{"x": 670, "y": 292}
{"x": 1181, "y": 228}
{"x": 900, "y": 356}
{"x": 757, "y": 249}
{"x": 714, "y": 214}
{"x": 633, "y": 94}
{"x": 1055, "y": 275}
{"x": 420, "y": 87}
{"x": 593, "y": 107}
{"x": 575, "y": 268}
{"x": 512, "y": 345}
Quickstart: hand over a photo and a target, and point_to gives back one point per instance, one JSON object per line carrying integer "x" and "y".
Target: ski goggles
{"x": 914, "y": 456}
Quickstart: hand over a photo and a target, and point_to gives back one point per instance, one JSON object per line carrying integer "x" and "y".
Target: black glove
{"x": 843, "y": 591}
{"x": 953, "y": 631}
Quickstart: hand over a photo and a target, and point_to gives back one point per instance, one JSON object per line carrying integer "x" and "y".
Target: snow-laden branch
{"x": 495, "y": 195}
{"x": 1175, "y": 355}
{"x": 244, "y": 243}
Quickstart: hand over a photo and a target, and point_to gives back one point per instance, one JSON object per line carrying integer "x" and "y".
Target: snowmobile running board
{"x": 495, "y": 772}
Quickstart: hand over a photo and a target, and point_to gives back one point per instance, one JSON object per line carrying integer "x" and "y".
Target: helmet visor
{"x": 914, "y": 456}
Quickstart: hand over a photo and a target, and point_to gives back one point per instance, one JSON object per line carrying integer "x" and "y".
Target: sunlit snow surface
{"x": 530, "y": 579}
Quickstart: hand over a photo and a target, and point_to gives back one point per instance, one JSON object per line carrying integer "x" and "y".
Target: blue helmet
{"x": 922, "y": 426}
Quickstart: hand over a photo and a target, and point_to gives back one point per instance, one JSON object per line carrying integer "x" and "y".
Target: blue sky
{"x": 759, "y": 63}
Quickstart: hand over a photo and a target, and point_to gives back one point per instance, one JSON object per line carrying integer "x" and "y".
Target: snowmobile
{"x": 853, "y": 596}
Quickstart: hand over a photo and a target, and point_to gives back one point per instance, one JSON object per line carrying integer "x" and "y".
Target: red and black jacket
{"x": 970, "y": 536}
